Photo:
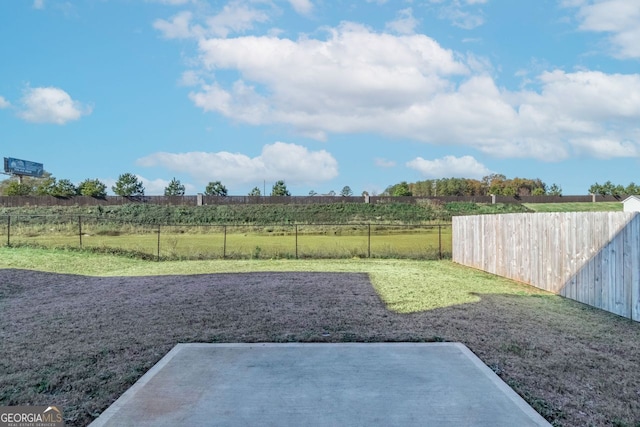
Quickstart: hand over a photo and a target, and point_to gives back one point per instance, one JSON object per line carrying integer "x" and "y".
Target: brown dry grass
{"x": 80, "y": 342}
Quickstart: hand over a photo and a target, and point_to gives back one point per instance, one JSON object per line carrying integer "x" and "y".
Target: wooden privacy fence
{"x": 591, "y": 257}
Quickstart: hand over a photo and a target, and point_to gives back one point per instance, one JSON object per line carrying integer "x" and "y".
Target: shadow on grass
{"x": 80, "y": 341}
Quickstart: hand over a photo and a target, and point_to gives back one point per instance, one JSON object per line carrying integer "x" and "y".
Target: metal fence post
{"x": 439, "y": 241}
{"x": 158, "y": 259}
{"x": 224, "y": 242}
{"x": 296, "y": 241}
{"x": 80, "y": 229}
{"x": 9, "y": 230}
{"x": 369, "y": 242}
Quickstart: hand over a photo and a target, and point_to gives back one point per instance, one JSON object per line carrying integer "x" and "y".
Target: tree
{"x": 280, "y": 189}
{"x": 555, "y": 190}
{"x": 538, "y": 192}
{"x": 617, "y": 191}
{"x": 401, "y": 189}
{"x": 494, "y": 183}
{"x": 312, "y": 193}
{"x": 92, "y": 188}
{"x": 346, "y": 191}
{"x": 15, "y": 188}
{"x": 597, "y": 189}
{"x": 331, "y": 193}
{"x": 216, "y": 188}
{"x": 63, "y": 188}
{"x": 255, "y": 192}
{"x": 44, "y": 186}
{"x": 128, "y": 185}
{"x": 175, "y": 188}
{"x": 632, "y": 188}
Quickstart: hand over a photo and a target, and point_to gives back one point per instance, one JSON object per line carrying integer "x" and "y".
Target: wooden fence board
{"x": 592, "y": 257}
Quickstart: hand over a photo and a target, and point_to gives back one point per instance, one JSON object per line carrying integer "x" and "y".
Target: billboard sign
{"x": 22, "y": 167}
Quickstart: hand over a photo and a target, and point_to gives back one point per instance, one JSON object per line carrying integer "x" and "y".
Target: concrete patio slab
{"x": 346, "y": 384}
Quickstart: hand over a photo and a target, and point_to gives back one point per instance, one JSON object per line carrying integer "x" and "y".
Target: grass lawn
{"x": 196, "y": 242}
{"x": 77, "y": 329}
{"x": 575, "y": 207}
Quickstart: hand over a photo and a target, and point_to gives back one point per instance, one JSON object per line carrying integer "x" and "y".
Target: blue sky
{"x": 322, "y": 93}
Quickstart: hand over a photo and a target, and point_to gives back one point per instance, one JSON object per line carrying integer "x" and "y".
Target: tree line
{"x": 611, "y": 189}
{"x": 127, "y": 185}
{"x": 496, "y": 184}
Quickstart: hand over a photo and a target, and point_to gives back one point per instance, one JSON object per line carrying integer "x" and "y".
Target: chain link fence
{"x": 238, "y": 241}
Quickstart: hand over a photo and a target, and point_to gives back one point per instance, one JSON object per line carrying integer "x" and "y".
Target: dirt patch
{"x": 80, "y": 342}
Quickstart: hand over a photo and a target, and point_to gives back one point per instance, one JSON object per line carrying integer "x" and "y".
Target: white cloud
{"x": 407, "y": 86}
{"x": 450, "y": 167}
{"x": 178, "y": 27}
{"x": 318, "y": 86}
{"x": 303, "y": 7}
{"x": 294, "y": 163}
{"x": 619, "y": 18}
{"x": 38, "y": 4}
{"x": 404, "y": 23}
{"x": 235, "y": 17}
{"x": 605, "y": 148}
{"x": 51, "y": 105}
{"x": 4, "y": 103}
{"x": 153, "y": 186}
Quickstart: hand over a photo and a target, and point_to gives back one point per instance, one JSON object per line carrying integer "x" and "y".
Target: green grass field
{"x": 575, "y": 207}
{"x": 406, "y": 286}
{"x": 210, "y": 242}
{"x": 113, "y": 317}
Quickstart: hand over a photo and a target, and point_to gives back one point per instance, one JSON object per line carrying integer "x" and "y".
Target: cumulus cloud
{"x": 352, "y": 79}
{"x": 4, "y": 103}
{"x": 341, "y": 84}
{"x": 410, "y": 87}
{"x": 51, "y": 105}
{"x": 618, "y": 18}
{"x": 280, "y": 160}
{"x": 450, "y": 167}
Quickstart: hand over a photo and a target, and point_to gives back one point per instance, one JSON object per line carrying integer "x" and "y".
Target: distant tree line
{"x": 47, "y": 185}
{"x": 127, "y": 185}
{"x": 491, "y": 184}
{"x": 610, "y": 189}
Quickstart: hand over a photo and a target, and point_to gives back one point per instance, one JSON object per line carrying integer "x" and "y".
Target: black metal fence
{"x": 164, "y": 242}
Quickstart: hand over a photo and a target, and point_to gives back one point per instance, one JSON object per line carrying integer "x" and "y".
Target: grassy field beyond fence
{"x": 415, "y": 241}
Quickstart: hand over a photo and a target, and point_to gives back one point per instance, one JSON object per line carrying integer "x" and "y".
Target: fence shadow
{"x": 591, "y": 257}
{"x": 610, "y": 278}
